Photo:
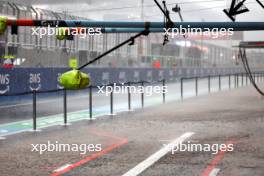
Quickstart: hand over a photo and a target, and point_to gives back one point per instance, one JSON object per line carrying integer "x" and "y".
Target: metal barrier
{"x": 238, "y": 81}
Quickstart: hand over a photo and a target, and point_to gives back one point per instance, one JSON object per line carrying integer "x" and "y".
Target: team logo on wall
{"x": 188, "y": 71}
{"x": 161, "y": 75}
{"x": 105, "y": 78}
{"x": 214, "y": 72}
{"x": 202, "y": 71}
{"x": 34, "y": 81}
{"x": 198, "y": 72}
{"x": 122, "y": 77}
{"x": 4, "y": 83}
{"x": 171, "y": 75}
{"x": 136, "y": 76}
{"x": 180, "y": 72}
{"x": 149, "y": 75}
{"x": 194, "y": 72}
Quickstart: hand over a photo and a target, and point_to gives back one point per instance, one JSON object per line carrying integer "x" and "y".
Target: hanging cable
{"x": 244, "y": 60}
{"x": 132, "y": 39}
{"x": 168, "y": 23}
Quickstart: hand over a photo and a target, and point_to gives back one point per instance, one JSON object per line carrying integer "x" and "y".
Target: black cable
{"x": 246, "y": 66}
{"x": 248, "y": 71}
{"x": 168, "y": 23}
{"x": 253, "y": 80}
{"x": 144, "y": 32}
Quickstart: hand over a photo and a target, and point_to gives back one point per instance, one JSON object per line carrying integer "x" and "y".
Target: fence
{"x": 238, "y": 79}
{"x": 241, "y": 78}
{"x": 20, "y": 80}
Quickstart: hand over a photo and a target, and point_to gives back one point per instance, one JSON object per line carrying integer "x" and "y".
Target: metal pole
{"x": 196, "y": 86}
{"x": 65, "y": 106}
{"x": 237, "y": 80}
{"x": 229, "y": 81}
{"x": 91, "y": 102}
{"x": 142, "y": 95}
{"x": 163, "y": 91}
{"x": 129, "y": 96}
{"x": 219, "y": 82}
{"x": 34, "y": 110}
{"x": 112, "y": 102}
{"x": 246, "y": 79}
{"x": 182, "y": 88}
{"x": 234, "y": 80}
{"x": 242, "y": 79}
{"x": 209, "y": 84}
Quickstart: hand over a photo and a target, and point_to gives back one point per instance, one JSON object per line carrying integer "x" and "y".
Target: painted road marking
{"x": 26, "y": 124}
{"x": 156, "y": 156}
{"x": 3, "y": 131}
{"x": 214, "y": 172}
{"x": 215, "y": 161}
{"x": 121, "y": 142}
{"x": 62, "y": 168}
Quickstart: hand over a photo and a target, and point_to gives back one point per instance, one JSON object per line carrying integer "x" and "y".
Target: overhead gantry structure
{"x": 134, "y": 25}
{"x": 75, "y": 79}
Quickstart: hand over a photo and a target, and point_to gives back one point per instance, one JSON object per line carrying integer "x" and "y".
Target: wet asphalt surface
{"x": 236, "y": 115}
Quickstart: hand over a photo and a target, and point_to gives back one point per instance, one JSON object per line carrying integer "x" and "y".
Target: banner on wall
{"x": 19, "y": 80}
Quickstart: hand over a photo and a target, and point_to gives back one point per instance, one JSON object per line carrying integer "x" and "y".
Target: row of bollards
{"x": 65, "y": 118}
{"x": 239, "y": 80}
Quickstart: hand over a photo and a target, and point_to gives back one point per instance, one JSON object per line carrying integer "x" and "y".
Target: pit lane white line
{"x": 214, "y": 172}
{"x": 156, "y": 156}
{"x": 62, "y": 168}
